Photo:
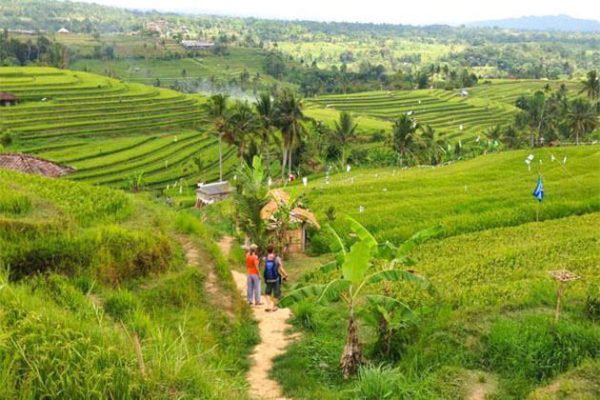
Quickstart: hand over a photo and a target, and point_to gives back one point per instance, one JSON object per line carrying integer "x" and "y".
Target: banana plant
{"x": 358, "y": 276}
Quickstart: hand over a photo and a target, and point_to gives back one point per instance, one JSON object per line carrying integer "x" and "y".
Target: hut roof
{"x": 214, "y": 188}
{"x": 32, "y": 165}
{"x": 278, "y": 197}
{"x": 4, "y": 96}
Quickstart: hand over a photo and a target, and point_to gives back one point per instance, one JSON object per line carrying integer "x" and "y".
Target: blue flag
{"x": 538, "y": 193}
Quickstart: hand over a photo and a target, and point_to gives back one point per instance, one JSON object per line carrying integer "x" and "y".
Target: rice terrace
{"x": 260, "y": 201}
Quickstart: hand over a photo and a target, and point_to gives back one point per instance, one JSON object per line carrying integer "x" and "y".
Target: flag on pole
{"x": 538, "y": 193}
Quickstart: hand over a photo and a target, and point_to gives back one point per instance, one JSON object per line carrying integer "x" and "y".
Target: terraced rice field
{"x": 109, "y": 130}
{"x": 485, "y": 106}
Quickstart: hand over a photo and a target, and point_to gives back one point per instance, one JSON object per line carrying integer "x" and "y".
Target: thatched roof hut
{"x": 300, "y": 217}
{"x": 32, "y": 165}
{"x": 8, "y": 99}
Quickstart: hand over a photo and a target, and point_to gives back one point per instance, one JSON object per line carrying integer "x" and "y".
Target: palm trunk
{"x": 283, "y": 162}
{"x": 220, "y": 158}
{"x": 352, "y": 355}
{"x": 290, "y": 161}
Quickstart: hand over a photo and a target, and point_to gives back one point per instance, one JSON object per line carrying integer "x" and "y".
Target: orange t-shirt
{"x": 252, "y": 264}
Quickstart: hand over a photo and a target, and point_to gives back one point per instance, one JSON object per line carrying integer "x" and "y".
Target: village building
{"x": 8, "y": 99}
{"x": 32, "y": 165}
{"x": 210, "y": 193}
{"x": 63, "y": 30}
{"x": 197, "y": 45}
{"x": 296, "y": 237}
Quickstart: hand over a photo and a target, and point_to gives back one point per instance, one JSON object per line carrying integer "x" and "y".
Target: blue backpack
{"x": 271, "y": 270}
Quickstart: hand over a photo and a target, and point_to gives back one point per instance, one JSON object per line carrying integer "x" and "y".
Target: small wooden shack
{"x": 32, "y": 165}
{"x": 209, "y": 193}
{"x": 197, "y": 45}
{"x": 300, "y": 218}
{"x": 8, "y": 99}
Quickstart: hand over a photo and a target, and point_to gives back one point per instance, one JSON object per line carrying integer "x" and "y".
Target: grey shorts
{"x": 274, "y": 288}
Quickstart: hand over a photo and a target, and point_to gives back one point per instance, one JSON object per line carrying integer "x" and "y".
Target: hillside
{"x": 487, "y": 192}
{"x": 482, "y": 107}
{"x": 108, "y": 130}
{"x": 487, "y": 330}
{"x": 99, "y": 299}
{"x": 550, "y": 23}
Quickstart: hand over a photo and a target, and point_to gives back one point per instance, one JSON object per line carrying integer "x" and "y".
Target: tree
{"x": 363, "y": 267}
{"x": 250, "y": 198}
{"x": 242, "y": 124}
{"x": 289, "y": 117}
{"x": 591, "y": 86}
{"x": 435, "y": 144}
{"x": 404, "y": 137}
{"x": 216, "y": 108}
{"x": 581, "y": 118}
{"x": 344, "y": 132}
{"x": 265, "y": 109}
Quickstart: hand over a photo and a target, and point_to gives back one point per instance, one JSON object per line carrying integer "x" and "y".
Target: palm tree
{"x": 250, "y": 198}
{"x": 581, "y": 118}
{"x": 216, "y": 108}
{"x": 243, "y": 123}
{"x": 404, "y": 136}
{"x": 591, "y": 86}
{"x": 363, "y": 267}
{"x": 344, "y": 132}
{"x": 265, "y": 108}
{"x": 289, "y": 117}
{"x": 435, "y": 144}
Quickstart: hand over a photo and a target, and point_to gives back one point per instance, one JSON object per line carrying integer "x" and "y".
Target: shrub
{"x": 121, "y": 305}
{"x": 592, "y": 303}
{"x": 304, "y": 315}
{"x": 376, "y": 383}
{"x": 535, "y": 349}
{"x": 15, "y": 204}
{"x": 127, "y": 254}
{"x": 6, "y": 139}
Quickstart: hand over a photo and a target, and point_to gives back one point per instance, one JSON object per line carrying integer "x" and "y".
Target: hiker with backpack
{"x": 253, "y": 277}
{"x": 273, "y": 274}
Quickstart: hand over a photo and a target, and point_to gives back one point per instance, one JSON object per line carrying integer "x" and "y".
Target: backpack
{"x": 271, "y": 270}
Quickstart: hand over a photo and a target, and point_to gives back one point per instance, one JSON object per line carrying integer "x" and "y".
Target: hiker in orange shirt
{"x": 253, "y": 282}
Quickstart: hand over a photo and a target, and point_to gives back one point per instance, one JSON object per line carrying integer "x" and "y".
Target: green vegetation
{"x": 109, "y": 130}
{"x": 493, "y": 315}
{"x": 98, "y": 302}
{"x": 487, "y": 192}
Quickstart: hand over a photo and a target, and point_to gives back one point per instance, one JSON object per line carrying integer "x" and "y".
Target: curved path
{"x": 273, "y": 327}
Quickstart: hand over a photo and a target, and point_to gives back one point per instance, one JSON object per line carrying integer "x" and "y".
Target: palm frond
{"x": 396, "y": 275}
{"x": 417, "y": 239}
{"x": 301, "y": 294}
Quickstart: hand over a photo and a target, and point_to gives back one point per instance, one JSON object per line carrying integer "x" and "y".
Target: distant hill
{"x": 562, "y": 23}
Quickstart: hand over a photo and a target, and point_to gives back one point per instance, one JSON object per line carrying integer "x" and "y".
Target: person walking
{"x": 253, "y": 279}
{"x": 274, "y": 273}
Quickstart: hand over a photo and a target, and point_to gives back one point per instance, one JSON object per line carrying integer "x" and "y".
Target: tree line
{"x": 275, "y": 126}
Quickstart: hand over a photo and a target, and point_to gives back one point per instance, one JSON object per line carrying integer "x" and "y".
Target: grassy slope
{"x": 489, "y": 191}
{"x": 495, "y": 303}
{"x": 112, "y": 270}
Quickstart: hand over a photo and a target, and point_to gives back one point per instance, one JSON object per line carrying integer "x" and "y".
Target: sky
{"x": 388, "y": 11}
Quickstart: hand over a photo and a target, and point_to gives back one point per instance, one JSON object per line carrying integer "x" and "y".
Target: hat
{"x": 253, "y": 247}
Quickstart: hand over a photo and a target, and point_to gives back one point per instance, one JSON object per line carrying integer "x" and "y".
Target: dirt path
{"x": 192, "y": 257}
{"x": 272, "y": 328}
